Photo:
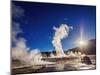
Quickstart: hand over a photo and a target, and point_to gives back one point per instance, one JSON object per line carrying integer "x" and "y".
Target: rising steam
{"x": 60, "y": 33}
{"x": 20, "y": 51}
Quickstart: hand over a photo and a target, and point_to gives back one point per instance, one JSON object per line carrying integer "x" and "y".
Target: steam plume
{"x": 60, "y": 33}
{"x": 20, "y": 50}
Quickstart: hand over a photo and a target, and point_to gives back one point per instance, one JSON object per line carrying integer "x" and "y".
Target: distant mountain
{"x": 89, "y": 49}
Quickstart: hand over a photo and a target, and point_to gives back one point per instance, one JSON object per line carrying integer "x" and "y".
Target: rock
{"x": 86, "y": 60}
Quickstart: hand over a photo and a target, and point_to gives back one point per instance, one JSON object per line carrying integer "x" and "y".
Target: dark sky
{"x": 38, "y": 20}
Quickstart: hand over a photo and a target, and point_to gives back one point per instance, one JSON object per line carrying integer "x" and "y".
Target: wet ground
{"x": 72, "y": 65}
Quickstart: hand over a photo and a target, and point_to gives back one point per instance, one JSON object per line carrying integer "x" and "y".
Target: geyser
{"x": 60, "y": 33}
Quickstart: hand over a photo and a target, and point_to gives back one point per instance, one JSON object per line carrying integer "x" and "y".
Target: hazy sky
{"x": 38, "y": 19}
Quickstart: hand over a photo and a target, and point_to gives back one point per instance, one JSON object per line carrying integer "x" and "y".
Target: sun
{"x": 82, "y": 43}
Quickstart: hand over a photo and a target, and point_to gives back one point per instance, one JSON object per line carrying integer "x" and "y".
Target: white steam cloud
{"x": 15, "y": 31}
{"x": 20, "y": 51}
{"x": 60, "y": 33}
